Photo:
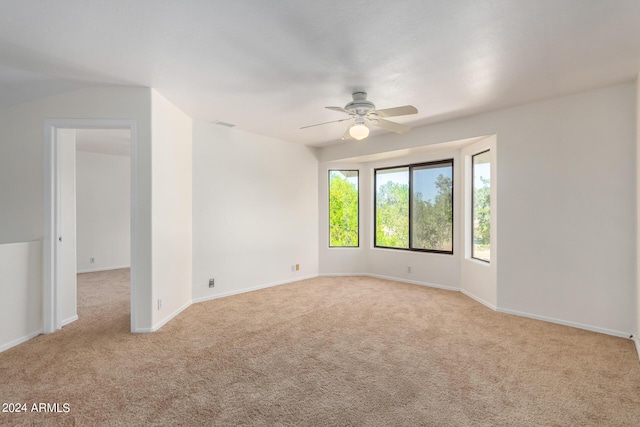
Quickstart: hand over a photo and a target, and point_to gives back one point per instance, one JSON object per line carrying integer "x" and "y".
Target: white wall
{"x": 103, "y": 206}
{"x": 172, "y": 209}
{"x": 567, "y": 203}
{"x": 21, "y": 167}
{"x": 20, "y": 292}
{"x": 255, "y": 211}
{"x": 67, "y": 286}
{"x": 637, "y": 330}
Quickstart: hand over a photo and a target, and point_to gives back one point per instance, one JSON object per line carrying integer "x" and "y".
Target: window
{"x": 481, "y": 206}
{"x": 414, "y": 207}
{"x": 432, "y": 207}
{"x": 343, "y": 208}
{"x": 392, "y": 208}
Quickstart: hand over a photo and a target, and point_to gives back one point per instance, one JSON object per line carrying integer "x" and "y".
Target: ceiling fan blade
{"x": 326, "y": 123}
{"x": 392, "y": 126}
{"x": 346, "y": 135}
{"x": 397, "y": 111}
{"x": 339, "y": 109}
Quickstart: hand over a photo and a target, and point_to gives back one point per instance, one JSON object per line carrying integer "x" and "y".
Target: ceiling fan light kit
{"x": 364, "y": 112}
{"x": 358, "y": 131}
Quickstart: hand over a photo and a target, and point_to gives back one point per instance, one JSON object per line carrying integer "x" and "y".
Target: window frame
{"x": 357, "y": 171}
{"x": 410, "y": 168}
{"x": 472, "y": 210}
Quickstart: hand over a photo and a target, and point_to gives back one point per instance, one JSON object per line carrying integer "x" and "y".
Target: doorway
{"x": 63, "y": 254}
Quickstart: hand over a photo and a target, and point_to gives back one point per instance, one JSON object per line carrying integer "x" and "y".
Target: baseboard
{"x": 18, "y": 341}
{"x": 566, "y": 323}
{"x": 478, "y": 299}
{"x": 637, "y": 341}
{"x": 142, "y": 330}
{"x": 168, "y": 318}
{"x": 416, "y": 282}
{"x": 413, "y": 282}
{"x": 69, "y": 320}
{"x": 342, "y": 274}
{"x": 254, "y": 288}
{"x": 95, "y": 270}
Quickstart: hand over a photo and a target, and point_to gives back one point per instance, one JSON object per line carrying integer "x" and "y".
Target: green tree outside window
{"x": 343, "y": 208}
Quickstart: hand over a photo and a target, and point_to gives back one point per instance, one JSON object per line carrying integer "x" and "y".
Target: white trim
{"x": 394, "y": 250}
{"x": 268, "y": 285}
{"x": 142, "y": 330}
{"x": 415, "y": 282}
{"x": 133, "y": 136}
{"x": 48, "y": 240}
{"x": 95, "y": 270}
{"x": 20, "y": 340}
{"x": 167, "y": 319}
{"x": 71, "y": 319}
{"x": 342, "y": 274}
{"x": 478, "y": 299}
{"x": 254, "y": 288}
{"x": 212, "y": 297}
{"x": 503, "y": 310}
{"x": 478, "y": 261}
{"x": 566, "y": 323}
{"x": 50, "y": 257}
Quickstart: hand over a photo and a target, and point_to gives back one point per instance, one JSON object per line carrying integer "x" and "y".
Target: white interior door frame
{"x": 52, "y": 212}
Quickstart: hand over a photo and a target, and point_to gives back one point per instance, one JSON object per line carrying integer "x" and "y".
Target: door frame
{"x": 51, "y": 258}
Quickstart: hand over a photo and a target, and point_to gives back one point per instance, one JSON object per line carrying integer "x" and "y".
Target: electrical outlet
{"x": 297, "y": 267}
{"x": 92, "y": 260}
{"x": 211, "y": 283}
{"x": 408, "y": 269}
{"x": 293, "y": 268}
{"x": 159, "y": 303}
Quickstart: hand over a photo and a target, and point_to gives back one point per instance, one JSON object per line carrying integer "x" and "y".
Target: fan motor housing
{"x": 360, "y": 105}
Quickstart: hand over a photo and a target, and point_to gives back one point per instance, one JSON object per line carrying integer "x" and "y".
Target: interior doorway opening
{"x": 79, "y": 235}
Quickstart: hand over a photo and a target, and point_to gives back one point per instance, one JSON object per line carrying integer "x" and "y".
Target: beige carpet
{"x": 325, "y": 352}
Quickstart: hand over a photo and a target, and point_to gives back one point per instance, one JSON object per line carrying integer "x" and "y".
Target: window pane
{"x": 343, "y": 208}
{"x": 481, "y": 206}
{"x": 392, "y": 208}
{"x": 432, "y": 207}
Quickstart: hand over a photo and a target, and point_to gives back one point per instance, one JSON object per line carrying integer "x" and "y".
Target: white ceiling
{"x": 271, "y": 67}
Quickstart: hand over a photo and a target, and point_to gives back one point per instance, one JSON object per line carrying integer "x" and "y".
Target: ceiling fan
{"x": 364, "y": 112}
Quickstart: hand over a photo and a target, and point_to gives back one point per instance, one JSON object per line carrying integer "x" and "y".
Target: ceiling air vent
{"x": 221, "y": 123}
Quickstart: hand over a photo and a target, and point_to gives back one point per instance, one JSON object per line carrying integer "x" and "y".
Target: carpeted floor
{"x": 346, "y": 351}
